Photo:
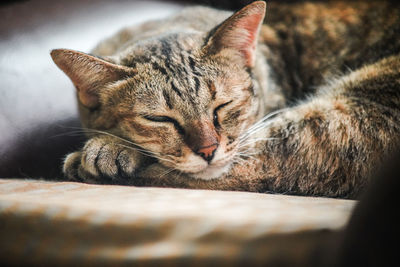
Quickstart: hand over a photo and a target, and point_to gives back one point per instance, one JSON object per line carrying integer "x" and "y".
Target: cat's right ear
{"x": 88, "y": 73}
{"x": 239, "y": 33}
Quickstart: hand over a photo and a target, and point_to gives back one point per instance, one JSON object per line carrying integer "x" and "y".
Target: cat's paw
{"x": 102, "y": 160}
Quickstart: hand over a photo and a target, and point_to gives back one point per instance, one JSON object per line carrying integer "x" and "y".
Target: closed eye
{"x": 165, "y": 119}
{"x": 216, "y": 120}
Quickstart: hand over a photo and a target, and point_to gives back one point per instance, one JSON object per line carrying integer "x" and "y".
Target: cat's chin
{"x": 210, "y": 172}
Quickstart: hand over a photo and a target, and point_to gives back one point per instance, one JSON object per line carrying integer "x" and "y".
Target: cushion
{"x": 74, "y": 223}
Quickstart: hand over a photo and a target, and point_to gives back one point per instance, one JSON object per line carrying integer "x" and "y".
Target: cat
{"x": 302, "y": 100}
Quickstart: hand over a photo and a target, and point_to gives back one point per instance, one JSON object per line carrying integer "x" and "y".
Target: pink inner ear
{"x": 247, "y": 46}
{"x": 88, "y": 73}
{"x": 240, "y": 32}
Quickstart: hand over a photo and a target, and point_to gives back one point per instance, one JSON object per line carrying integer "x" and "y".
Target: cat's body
{"x": 187, "y": 91}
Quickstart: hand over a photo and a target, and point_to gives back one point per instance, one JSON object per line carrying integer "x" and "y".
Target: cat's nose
{"x": 207, "y": 152}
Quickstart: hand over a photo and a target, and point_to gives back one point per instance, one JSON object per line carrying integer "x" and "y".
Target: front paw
{"x": 103, "y": 160}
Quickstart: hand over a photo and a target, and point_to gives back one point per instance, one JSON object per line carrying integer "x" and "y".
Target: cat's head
{"x": 186, "y": 97}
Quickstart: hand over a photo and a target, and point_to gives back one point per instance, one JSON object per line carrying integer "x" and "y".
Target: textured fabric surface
{"x": 74, "y": 223}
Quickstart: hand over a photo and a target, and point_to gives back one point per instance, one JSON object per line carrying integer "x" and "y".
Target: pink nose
{"x": 207, "y": 152}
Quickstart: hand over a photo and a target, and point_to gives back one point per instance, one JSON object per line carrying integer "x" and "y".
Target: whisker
{"x": 166, "y": 172}
{"x": 245, "y": 153}
{"x": 148, "y": 153}
{"x": 122, "y": 139}
{"x": 137, "y": 147}
{"x": 179, "y": 174}
{"x": 258, "y": 127}
{"x": 84, "y": 130}
{"x": 272, "y": 114}
{"x": 261, "y": 124}
{"x": 70, "y": 133}
{"x": 256, "y": 140}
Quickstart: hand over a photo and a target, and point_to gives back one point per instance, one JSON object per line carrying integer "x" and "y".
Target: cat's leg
{"x": 329, "y": 144}
{"x": 326, "y": 145}
{"x": 103, "y": 159}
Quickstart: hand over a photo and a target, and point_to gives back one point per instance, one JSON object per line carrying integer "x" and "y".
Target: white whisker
{"x": 245, "y": 153}
{"x": 148, "y": 153}
{"x": 70, "y": 133}
{"x": 166, "y": 172}
{"x": 179, "y": 173}
{"x": 261, "y": 124}
{"x": 256, "y": 140}
{"x": 137, "y": 147}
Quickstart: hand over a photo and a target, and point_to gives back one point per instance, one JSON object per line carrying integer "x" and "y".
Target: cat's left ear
{"x": 89, "y": 74}
{"x": 239, "y": 32}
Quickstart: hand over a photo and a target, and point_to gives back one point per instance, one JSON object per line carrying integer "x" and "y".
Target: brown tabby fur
{"x": 332, "y": 69}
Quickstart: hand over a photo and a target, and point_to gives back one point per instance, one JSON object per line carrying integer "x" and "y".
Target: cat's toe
{"x": 127, "y": 163}
{"x": 71, "y": 165}
{"x": 103, "y": 161}
{"x": 106, "y": 162}
{"x": 109, "y": 160}
{"x": 90, "y": 155}
{"x": 114, "y": 161}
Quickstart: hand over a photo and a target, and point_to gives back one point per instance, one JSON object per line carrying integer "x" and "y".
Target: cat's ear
{"x": 88, "y": 73}
{"x": 239, "y": 32}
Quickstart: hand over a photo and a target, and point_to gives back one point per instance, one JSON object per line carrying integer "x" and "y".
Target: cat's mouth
{"x": 198, "y": 168}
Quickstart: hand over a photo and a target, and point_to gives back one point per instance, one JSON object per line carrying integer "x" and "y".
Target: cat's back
{"x": 313, "y": 41}
{"x": 308, "y": 41}
{"x": 348, "y": 28}
{"x": 344, "y": 29}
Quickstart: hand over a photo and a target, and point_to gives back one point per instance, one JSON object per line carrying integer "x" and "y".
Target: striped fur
{"x": 181, "y": 85}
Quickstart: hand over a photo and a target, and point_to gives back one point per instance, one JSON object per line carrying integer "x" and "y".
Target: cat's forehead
{"x": 173, "y": 74}
{"x": 170, "y": 69}
{"x": 157, "y": 88}
{"x": 190, "y": 95}
{"x": 170, "y": 47}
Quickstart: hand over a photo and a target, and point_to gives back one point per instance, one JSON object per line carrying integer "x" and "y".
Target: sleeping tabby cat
{"x": 305, "y": 101}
